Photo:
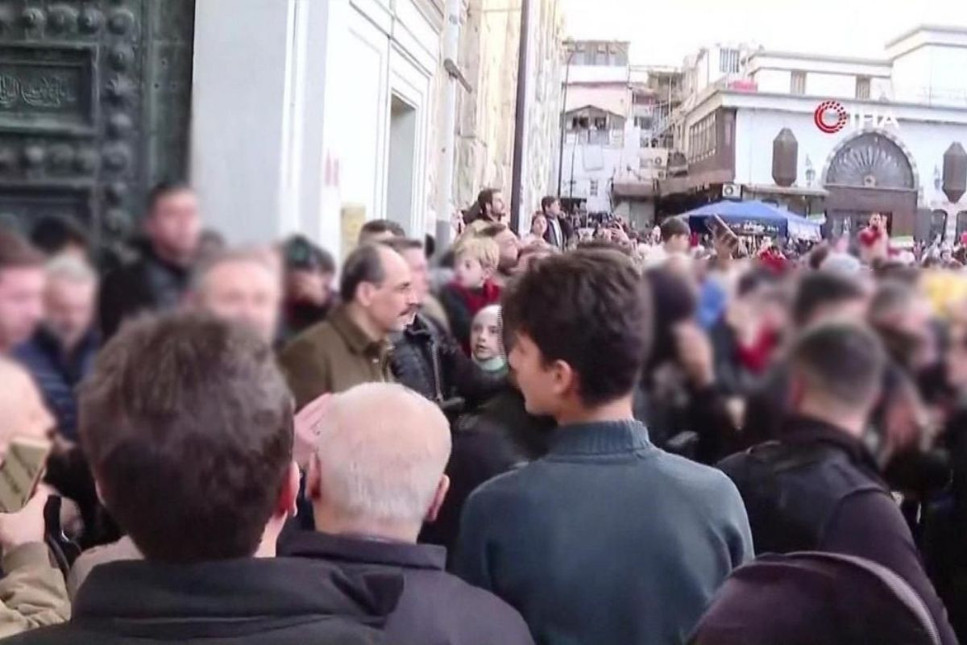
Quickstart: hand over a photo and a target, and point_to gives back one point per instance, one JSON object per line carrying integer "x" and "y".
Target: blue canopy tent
{"x": 755, "y": 218}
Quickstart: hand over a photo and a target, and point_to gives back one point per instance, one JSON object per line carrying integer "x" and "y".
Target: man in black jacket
{"x": 157, "y": 280}
{"x": 818, "y": 488}
{"x": 559, "y": 230}
{"x": 193, "y": 458}
{"x": 820, "y": 296}
{"x": 426, "y": 358}
{"x": 376, "y": 475}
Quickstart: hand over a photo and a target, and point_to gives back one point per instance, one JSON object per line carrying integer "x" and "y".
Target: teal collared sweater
{"x": 607, "y": 540}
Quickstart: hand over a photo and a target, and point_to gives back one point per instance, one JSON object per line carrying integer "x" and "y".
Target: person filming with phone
{"x": 32, "y": 590}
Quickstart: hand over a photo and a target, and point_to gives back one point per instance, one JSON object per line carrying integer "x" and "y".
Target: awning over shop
{"x": 756, "y": 218}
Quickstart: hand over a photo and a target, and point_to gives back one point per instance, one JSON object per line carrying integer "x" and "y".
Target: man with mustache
{"x": 352, "y": 346}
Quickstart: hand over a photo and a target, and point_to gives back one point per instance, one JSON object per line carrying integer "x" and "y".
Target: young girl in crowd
{"x": 538, "y": 228}
{"x": 486, "y": 346}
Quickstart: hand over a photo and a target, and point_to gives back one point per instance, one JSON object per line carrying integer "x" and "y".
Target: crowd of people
{"x": 553, "y": 438}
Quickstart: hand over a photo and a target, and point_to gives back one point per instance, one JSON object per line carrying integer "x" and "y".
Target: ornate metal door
{"x": 94, "y": 107}
{"x": 871, "y": 161}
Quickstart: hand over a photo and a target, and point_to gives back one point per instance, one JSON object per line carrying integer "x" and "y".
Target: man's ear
{"x": 441, "y": 494}
{"x": 565, "y": 378}
{"x": 289, "y": 494}
{"x": 314, "y": 478}
{"x": 364, "y": 293}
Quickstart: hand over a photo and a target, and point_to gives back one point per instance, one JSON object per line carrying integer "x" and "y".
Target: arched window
{"x": 961, "y": 224}
{"x": 871, "y": 160}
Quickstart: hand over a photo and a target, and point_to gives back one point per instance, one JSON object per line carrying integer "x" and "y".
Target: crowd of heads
{"x": 188, "y": 423}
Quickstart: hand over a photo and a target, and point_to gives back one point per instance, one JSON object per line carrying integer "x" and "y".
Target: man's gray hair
{"x": 255, "y": 256}
{"x": 70, "y": 268}
{"x": 382, "y": 451}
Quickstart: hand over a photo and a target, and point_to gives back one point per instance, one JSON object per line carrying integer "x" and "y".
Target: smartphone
{"x": 722, "y": 234}
{"x": 21, "y": 471}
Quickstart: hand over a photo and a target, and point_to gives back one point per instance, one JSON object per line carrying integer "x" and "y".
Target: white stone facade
{"x": 309, "y": 115}
{"x": 923, "y": 133}
{"x": 915, "y": 96}
{"x": 609, "y": 136}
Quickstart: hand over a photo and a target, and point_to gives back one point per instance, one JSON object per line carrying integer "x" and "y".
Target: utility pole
{"x": 521, "y": 117}
{"x": 567, "y": 82}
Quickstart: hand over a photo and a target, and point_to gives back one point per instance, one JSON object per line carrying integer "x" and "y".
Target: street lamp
{"x": 567, "y": 79}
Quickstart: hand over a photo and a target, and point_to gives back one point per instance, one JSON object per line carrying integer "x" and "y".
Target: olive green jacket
{"x": 333, "y": 356}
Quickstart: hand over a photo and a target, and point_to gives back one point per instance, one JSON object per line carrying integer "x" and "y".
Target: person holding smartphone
{"x": 32, "y": 590}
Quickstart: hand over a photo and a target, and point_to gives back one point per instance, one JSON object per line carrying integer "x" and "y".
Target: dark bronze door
{"x": 94, "y": 108}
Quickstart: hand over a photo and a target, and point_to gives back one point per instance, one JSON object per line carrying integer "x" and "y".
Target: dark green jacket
{"x": 333, "y": 356}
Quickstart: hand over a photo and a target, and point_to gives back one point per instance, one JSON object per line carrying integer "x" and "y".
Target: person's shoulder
{"x": 699, "y": 479}
{"x": 131, "y": 269}
{"x": 478, "y": 608}
{"x": 315, "y": 337}
{"x": 450, "y": 289}
{"x": 506, "y": 489}
{"x": 844, "y": 470}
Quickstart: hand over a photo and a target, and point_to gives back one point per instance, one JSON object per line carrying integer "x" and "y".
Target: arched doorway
{"x": 871, "y": 172}
{"x": 961, "y": 224}
{"x": 938, "y": 225}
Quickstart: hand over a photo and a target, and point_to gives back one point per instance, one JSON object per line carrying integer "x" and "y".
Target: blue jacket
{"x": 57, "y": 375}
{"x": 605, "y": 540}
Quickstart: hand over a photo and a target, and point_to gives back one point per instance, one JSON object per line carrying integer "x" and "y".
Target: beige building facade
{"x": 489, "y": 42}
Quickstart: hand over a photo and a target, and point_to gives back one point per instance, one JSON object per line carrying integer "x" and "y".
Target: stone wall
{"x": 485, "y": 125}
{"x": 542, "y": 151}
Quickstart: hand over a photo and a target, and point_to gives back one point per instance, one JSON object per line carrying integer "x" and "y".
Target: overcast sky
{"x": 663, "y": 33}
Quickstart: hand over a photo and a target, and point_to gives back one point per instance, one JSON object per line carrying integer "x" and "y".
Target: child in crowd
{"x": 486, "y": 345}
{"x": 473, "y": 288}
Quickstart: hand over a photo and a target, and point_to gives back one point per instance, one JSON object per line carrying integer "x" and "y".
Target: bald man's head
{"x": 22, "y": 410}
{"x": 379, "y": 462}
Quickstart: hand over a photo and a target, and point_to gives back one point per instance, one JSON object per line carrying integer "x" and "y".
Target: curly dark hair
{"x": 590, "y": 309}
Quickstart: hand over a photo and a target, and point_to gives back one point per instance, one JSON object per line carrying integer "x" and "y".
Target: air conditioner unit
{"x": 731, "y": 191}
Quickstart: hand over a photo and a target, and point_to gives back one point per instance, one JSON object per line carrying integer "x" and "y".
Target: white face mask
{"x": 495, "y": 364}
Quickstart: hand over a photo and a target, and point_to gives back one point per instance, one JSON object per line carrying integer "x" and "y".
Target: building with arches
{"x": 843, "y": 137}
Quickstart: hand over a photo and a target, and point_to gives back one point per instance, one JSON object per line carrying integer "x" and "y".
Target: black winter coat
{"x": 275, "y": 601}
{"x": 428, "y": 360}
{"x": 149, "y": 284}
{"x": 498, "y": 437}
{"x": 818, "y": 489}
{"x": 436, "y": 608}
